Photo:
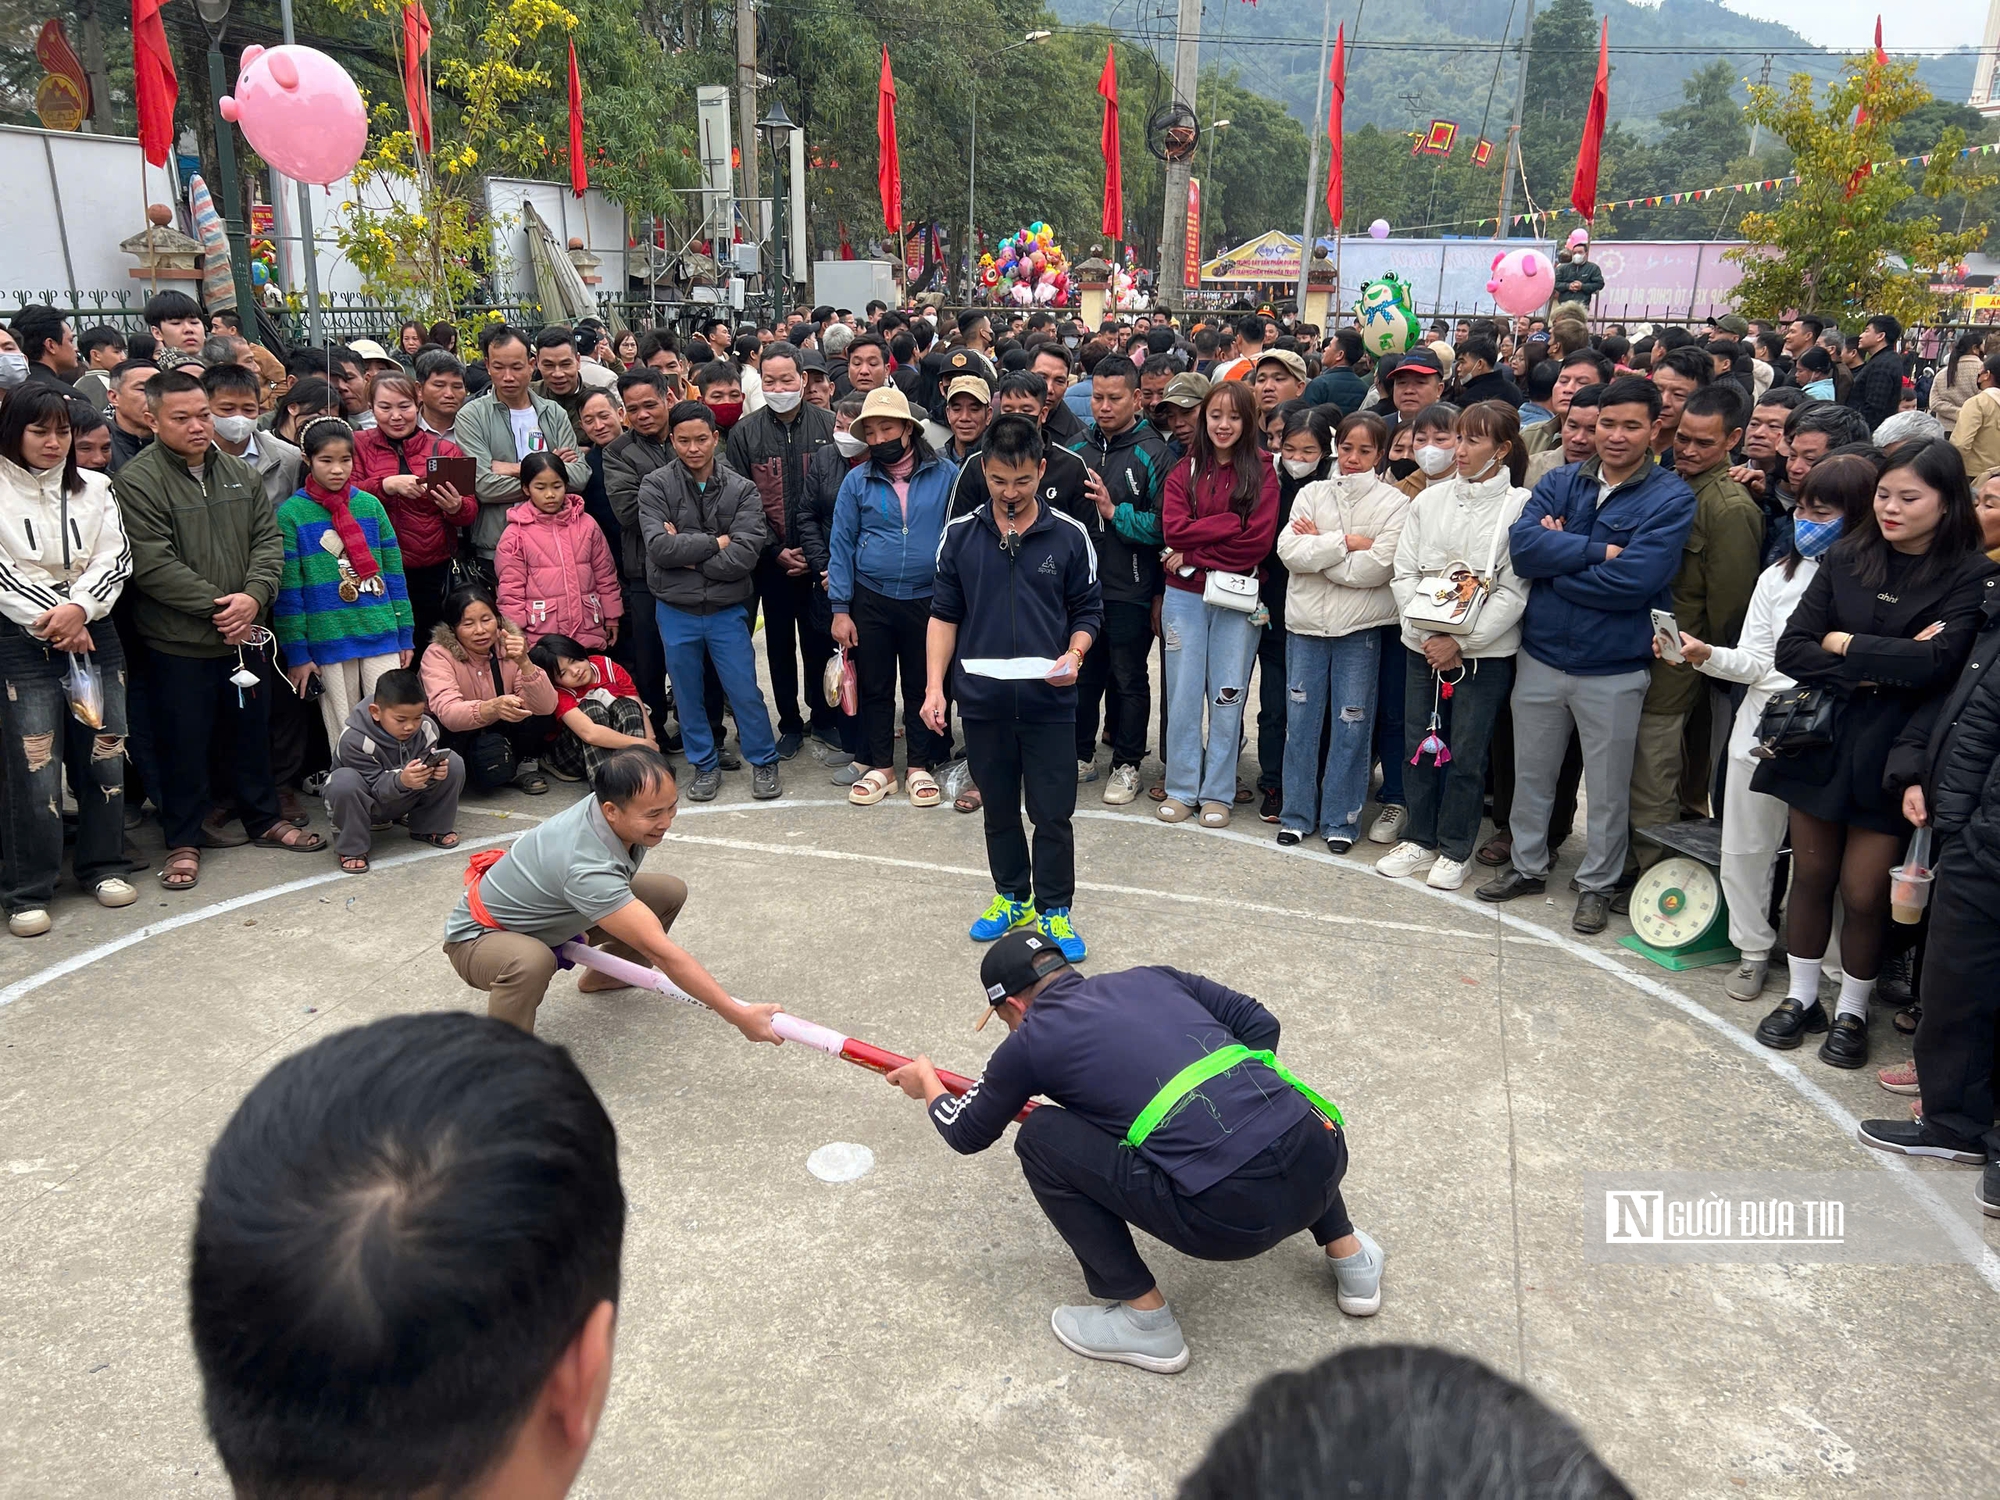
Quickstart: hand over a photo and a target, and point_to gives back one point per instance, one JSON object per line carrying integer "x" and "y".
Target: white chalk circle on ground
{"x": 840, "y": 1161}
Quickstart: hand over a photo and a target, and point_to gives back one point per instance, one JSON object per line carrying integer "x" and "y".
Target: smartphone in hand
{"x": 1667, "y": 633}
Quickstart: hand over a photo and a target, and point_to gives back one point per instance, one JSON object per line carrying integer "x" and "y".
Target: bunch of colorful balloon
{"x": 1028, "y": 270}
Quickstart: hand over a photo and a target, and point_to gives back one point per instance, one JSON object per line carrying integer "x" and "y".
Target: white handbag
{"x": 1449, "y": 602}
{"x": 1237, "y": 591}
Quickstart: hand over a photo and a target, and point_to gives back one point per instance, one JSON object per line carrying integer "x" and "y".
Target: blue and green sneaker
{"x": 1054, "y": 925}
{"x": 1004, "y": 915}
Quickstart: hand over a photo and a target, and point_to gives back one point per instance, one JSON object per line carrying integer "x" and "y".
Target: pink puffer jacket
{"x": 557, "y": 576}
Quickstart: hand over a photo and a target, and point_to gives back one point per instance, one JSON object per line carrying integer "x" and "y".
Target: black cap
{"x": 1419, "y": 359}
{"x": 1014, "y": 964}
{"x": 812, "y": 359}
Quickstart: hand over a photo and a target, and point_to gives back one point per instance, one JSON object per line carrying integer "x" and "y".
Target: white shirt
{"x": 1751, "y": 659}
{"x": 527, "y": 427}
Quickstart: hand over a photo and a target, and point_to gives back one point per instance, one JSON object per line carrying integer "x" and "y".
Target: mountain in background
{"x": 1273, "y": 48}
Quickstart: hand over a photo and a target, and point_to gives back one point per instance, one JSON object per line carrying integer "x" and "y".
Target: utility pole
{"x": 1312, "y": 162}
{"x": 93, "y": 67}
{"x": 1513, "y": 163}
{"x": 1763, "y": 81}
{"x": 1173, "y": 230}
{"x": 308, "y": 246}
{"x": 746, "y": 105}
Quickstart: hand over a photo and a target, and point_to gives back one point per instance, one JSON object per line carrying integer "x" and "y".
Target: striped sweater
{"x": 313, "y": 623}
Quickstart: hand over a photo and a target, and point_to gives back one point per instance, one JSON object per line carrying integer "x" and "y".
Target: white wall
{"x": 595, "y": 219}
{"x": 70, "y": 199}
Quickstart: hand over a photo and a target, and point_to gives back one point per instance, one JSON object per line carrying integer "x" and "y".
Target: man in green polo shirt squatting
{"x": 577, "y": 875}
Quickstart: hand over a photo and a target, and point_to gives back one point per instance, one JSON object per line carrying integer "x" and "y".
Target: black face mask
{"x": 1402, "y": 468}
{"x": 888, "y": 453}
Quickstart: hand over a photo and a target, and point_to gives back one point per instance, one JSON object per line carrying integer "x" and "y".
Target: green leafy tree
{"x": 1254, "y": 172}
{"x": 1841, "y": 243}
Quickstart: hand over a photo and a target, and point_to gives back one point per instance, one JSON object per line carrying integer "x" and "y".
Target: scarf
{"x": 352, "y": 538}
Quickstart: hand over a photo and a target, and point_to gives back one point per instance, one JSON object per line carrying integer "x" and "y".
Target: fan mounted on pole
{"x": 1172, "y": 133}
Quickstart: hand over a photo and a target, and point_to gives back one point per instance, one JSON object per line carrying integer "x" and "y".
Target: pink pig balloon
{"x": 300, "y": 112}
{"x": 1522, "y": 280}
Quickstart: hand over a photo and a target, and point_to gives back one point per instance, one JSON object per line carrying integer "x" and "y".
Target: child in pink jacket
{"x": 557, "y": 576}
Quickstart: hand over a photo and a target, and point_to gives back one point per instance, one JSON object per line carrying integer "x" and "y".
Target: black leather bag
{"x": 1794, "y": 721}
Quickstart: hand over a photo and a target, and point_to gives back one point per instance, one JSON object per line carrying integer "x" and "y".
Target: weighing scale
{"x": 1679, "y": 919}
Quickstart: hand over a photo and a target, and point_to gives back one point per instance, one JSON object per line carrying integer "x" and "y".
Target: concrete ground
{"x": 781, "y": 1335}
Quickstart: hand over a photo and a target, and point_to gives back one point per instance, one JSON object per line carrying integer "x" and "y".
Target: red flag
{"x": 1583, "y": 191}
{"x": 579, "y": 176}
{"x": 416, "y": 95}
{"x": 1860, "y": 173}
{"x": 154, "y": 87}
{"x": 1113, "y": 224}
{"x": 1336, "y": 109}
{"x": 889, "y": 170}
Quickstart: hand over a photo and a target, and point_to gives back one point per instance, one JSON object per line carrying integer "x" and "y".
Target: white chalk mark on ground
{"x": 840, "y": 1161}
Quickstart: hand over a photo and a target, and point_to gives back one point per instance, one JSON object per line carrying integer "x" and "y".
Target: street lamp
{"x": 215, "y": 14}
{"x": 777, "y": 128}
{"x": 972, "y": 165}
{"x": 1209, "y": 174}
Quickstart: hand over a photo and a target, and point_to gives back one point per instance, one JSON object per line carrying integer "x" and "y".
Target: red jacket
{"x": 426, "y": 535}
{"x": 557, "y": 576}
{"x": 1207, "y": 532}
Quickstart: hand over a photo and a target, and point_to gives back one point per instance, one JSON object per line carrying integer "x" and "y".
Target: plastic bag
{"x": 84, "y": 687}
{"x": 955, "y": 778}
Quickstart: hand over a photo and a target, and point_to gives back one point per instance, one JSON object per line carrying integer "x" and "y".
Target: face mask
{"x": 1072, "y": 340}
{"x": 1402, "y": 468}
{"x": 13, "y": 370}
{"x": 849, "y": 445}
{"x": 727, "y": 413}
{"x": 1814, "y": 537}
{"x": 783, "y": 401}
{"x": 887, "y": 453}
{"x": 1299, "y": 468}
{"x": 235, "y": 429}
{"x": 1434, "y": 460}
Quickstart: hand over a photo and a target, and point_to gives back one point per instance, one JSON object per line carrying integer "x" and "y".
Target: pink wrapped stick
{"x": 791, "y": 1028}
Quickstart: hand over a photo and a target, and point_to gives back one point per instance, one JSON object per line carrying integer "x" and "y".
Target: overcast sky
{"x": 1850, "y": 24}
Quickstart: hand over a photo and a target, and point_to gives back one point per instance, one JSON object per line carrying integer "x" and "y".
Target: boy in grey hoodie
{"x": 390, "y": 764}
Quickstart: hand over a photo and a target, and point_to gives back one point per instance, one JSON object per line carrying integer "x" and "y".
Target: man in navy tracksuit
{"x": 1016, "y": 586}
{"x": 1175, "y": 1115}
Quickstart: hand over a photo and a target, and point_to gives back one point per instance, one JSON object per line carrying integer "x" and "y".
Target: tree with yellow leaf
{"x": 1846, "y": 241}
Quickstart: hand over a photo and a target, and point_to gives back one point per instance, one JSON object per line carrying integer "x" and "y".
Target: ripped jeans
{"x": 1322, "y": 674}
{"x": 1208, "y": 651}
{"x": 40, "y": 736}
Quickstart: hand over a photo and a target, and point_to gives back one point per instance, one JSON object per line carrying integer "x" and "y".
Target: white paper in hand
{"x": 1010, "y": 668}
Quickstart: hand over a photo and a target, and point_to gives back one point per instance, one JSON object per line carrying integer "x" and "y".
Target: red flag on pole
{"x": 1336, "y": 110}
{"x": 416, "y": 95}
{"x": 1113, "y": 223}
{"x": 889, "y": 170}
{"x": 154, "y": 87}
{"x": 1860, "y": 173}
{"x": 579, "y": 176}
{"x": 1583, "y": 191}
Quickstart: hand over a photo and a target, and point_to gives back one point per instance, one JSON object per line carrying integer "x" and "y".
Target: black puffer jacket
{"x": 1953, "y": 747}
{"x": 824, "y": 472}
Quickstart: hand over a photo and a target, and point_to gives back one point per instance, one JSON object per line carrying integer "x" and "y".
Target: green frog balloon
{"x": 1387, "y": 315}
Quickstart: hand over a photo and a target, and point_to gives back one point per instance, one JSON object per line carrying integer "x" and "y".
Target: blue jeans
{"x": 1389, "y": 715}
{"x": 723, "y": 638}
{"x": 1209, "y": 651}
{"x": 1341, "y": 671}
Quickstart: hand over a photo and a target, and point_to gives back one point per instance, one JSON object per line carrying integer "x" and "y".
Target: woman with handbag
{"x": 1885, "y": 625}
{"x": 1836, "y": 498}
{"x": 1339, "y": 548}
{"x": 1218, "y": 517}
{"x": 1461, "y": 607}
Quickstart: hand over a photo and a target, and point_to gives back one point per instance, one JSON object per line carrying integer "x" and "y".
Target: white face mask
{"x": 783, "y": 401}
{"x": 1298, "y": 468}
{"x": 235, "y": 429}
{"x": 13, "y": 369}
{"x": 1434, "y": 460}
{"x": 849, "y": 445}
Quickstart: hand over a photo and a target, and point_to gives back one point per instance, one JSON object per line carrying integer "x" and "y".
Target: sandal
{"x": 968, "y": 801}
{"x": 447, "y": 840}
{"x": 872, "y": 788}
{"x": 182, "y": 871}
{"x": 282, "y": 835}
{"x": 923, "y": 788}
{"x": 532, "y": 783}
{"x": 1907, "y": 1019}
{"x": 1157, "y": 791}
{"x": 354, "y": 864}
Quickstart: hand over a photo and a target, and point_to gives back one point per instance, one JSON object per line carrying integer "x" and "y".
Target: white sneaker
{"x": 114, "y": 892}
{"x": 1388, "y": 823}
{"x": 30, "y": 923}
{"x": 1446, "y": 874}
{"x": 1405, "y": 859}
{"x": 1122, "y": 787}
{"x": 1086, "y": 770}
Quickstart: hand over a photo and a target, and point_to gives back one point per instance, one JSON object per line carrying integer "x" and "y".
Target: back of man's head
{"x": 402, "y": 1231}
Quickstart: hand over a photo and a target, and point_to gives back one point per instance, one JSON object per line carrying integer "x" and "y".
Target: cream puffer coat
{"x": 1455, "y": 522}
{"x": 1333, "y": 591}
